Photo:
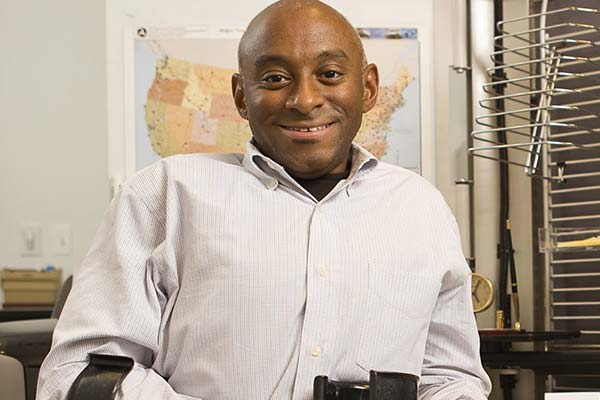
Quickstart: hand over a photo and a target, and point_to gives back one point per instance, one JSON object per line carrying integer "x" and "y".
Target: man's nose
{"x": 305, "y": 96}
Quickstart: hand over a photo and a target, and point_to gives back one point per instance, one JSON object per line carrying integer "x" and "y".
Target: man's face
{"x": 304, "y": 88}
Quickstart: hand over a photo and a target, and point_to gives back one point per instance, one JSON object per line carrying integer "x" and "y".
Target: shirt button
{"x": 322, "y": 271}
{"x": 316, "y": 351}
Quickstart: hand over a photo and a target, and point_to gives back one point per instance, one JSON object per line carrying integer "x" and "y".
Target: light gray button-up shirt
{"x": 225, "y": 279}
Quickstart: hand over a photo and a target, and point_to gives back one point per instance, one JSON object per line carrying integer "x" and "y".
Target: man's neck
{"x": 321, "y": 186}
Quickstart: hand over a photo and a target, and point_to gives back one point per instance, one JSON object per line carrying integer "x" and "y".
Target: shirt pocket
{"x": 396, "y": 321}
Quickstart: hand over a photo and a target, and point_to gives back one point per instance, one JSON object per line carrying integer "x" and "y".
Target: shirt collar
{"x": 271, "y": 174}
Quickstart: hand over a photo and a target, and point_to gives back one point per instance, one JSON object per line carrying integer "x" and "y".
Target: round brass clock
{"x": 482, "y": 292}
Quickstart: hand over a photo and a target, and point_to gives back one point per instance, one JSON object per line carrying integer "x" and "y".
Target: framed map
{"x": 183, "y": 101}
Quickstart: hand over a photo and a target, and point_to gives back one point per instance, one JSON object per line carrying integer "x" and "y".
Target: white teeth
{"x": 316, "y": 128}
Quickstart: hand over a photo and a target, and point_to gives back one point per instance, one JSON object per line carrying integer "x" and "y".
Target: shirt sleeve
{"x": 452, "y": 368}
{"x": 115, "y": 306}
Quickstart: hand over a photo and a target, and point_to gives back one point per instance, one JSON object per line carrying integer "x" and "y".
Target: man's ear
{"x": 237, "y": 88}
{"x": 371, "y": 87}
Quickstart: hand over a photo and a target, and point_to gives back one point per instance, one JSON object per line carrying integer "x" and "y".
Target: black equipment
{"x": 381, "y": 386}
{"x": 101, "y": 379}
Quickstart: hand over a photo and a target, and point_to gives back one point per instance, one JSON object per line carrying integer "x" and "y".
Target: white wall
{"x": 451, "y": 108}
{"x": 53, "y": 167}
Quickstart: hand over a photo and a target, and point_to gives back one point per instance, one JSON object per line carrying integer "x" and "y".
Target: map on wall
{"x": 183, "y": 100}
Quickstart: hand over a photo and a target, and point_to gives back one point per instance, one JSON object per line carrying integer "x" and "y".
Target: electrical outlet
{"x": 60, "y": 238}
{"x": 31, "y": 237}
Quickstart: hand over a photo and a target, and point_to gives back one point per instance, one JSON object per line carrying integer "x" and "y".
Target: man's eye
{"x": 331, "y": 74}
{"x": 275, "y": 79}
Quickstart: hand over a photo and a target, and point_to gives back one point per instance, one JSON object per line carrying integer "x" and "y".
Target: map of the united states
{"x": 190, "y": 109}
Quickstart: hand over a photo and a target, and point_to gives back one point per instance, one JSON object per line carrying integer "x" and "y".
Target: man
{"x": 244, "y": 277}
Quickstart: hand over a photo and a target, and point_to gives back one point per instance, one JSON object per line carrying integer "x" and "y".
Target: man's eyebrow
{"x": 276, "y": 58}
{"x": 268, "y": 59}
{"x": 335, "y": 53}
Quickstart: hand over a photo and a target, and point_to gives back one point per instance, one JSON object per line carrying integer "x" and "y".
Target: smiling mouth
{"x": 312, "y": 129}
{"x": 306, "y": 131}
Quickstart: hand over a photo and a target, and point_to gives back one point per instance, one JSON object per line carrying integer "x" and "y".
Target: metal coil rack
{"x": 543, "y": 99}
{"x": 543, "y": 115}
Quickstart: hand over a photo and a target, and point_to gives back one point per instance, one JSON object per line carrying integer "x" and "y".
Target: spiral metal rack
{"x": 543, "y": 115}
{"x": 553, "y": 63}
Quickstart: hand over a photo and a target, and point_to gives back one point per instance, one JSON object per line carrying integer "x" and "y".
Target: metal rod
{"x": 470, "y": 162}
{"x": 574, "y": 190}
{"x": 576, "y": 260}
{"x": 592, "y": 29}
{"x": 526, "y": 126}
{"x": 540, "y": 133}
{"x": 561, "y": 77}
{"x": 577, "y": 176}
{"x": 578, "y": 218}
{"x": 577, "y": 275}
{"x": 557, "y": 11}
{"x": 570, "y": 61}
{"x": 548, "y": 107}
{"x": 583, "y": 103}
{"x": 580, "y": 161}
{"x": 575, "y": 204}
{"x": 548, "y": 323}
{"x": 575, "y": 133}
{"x": 579, "y": 44}
{"x": 575, "y": 232}
{"x": 556, "y": 92}
{"x": 499, "y": 160}
{"x": 510, "y": 163}
{"x": 576, "y": 119}
{"x": 518, "y": 35}
{"x": 575, "y": 147}
{"x": 515, "y": 146}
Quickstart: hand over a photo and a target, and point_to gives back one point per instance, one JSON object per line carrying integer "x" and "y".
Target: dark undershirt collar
{"x": 321, "y": 186}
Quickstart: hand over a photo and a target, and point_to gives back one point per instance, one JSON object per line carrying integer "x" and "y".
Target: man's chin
{"x": 305, "y": 141}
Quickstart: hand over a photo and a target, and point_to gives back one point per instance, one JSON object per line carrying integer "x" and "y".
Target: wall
{"x": 452, "y": 109}
{"x": 53, "y": 125}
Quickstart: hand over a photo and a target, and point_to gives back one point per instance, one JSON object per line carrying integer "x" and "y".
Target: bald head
{"x": 299, "y": 12}
{"x": 303, "y": 86}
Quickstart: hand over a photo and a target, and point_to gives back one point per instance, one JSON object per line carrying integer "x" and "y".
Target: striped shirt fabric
{"x": 225, "y": 279}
